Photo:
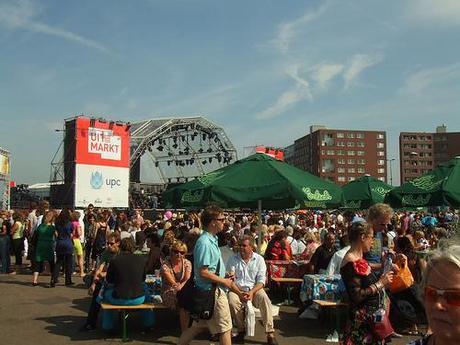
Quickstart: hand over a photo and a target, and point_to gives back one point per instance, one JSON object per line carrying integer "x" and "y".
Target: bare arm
{"x": 214, "y": 278}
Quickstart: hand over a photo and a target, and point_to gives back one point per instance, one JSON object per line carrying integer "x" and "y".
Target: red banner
{"x": 102, "y": 143}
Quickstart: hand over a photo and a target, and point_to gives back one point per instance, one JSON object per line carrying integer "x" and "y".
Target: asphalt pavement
{"x": 43, "y": 315}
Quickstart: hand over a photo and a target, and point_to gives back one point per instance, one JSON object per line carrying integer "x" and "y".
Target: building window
{"x": 380, "y": 136}
{"x": 351, "y": 170}
{"x": 381, "y": 170}
{"x": 381, "y": 162}
{"x": 330, "y": 152}
{"x": 350, "y": 135}
{"x": 351, "y": 161}
{"x": 340, "y": 135}
{"x": 341, "y": 161}
{"x": 341, "y": 170}
{"x": 323, "y": 152}
{"x": 341, "y": 143}
{"x": 361, "y": 170}
{"x": 361, "y": 161}
{"x": 350, "y": 153}
{"x": 380, "y": 145}
{"x": 351, "y": 144}
{"x": 360, "y": 153}
{"x": 341, "y": 178}
{"x": 360, "y": 144}
{"x": 351, "y": 178}
{"x": 340, "y": 152}
{"x": 380, "y": 153}
{"x": 360, "y": 135}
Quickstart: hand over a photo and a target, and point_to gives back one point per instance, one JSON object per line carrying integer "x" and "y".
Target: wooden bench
{"x": 332, "y": 304}
{"x": 289, "y": 285}
{"x": 125, "y": 309}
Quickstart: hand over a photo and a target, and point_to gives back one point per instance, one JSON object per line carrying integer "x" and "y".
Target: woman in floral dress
{"x": 365, "y": 290}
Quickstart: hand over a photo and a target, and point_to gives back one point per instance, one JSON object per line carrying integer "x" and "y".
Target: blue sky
{"x": 264, "y": 70}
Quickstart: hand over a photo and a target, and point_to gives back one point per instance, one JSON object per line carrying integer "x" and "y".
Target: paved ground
{"x": 40, "y": 315}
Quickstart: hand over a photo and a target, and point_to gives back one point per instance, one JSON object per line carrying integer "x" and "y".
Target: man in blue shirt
{"x": 207, "y": 257}
{"x": 249, "y": 271}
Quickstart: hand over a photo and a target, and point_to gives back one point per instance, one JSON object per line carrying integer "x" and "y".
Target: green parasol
{"x": 440, "y": 187}
{"x": 364, "y": 192}
{"x": 257, "y": 178}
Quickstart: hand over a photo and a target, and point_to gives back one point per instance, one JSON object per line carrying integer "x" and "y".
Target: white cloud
{"x": 20, "y": 14}
{"x": 287, "y": 32}
{"x": 419, "y": 81}
{"x": 300, "y": 92}
{"x": 358, "y": 64}
{"x": 285, "y": 101}
{"x": 438, "y": 12}
{"x": 322, "y": 74}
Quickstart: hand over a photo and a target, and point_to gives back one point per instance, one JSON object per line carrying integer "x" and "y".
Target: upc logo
{"x": 96, "y": 180}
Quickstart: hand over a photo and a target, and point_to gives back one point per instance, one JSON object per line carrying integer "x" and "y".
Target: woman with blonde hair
{"x": 176, "y": 271}
{"x": 441, "y": 294}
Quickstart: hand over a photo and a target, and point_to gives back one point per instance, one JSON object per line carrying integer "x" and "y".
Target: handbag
{"x": 402, "y": 280}
{"x": 202, "y": 301}
{"x": 381, "y": 326}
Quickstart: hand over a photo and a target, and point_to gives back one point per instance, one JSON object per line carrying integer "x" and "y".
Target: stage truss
{"x": 180, "y": 149}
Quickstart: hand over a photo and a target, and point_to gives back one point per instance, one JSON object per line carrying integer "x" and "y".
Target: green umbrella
{"x": 257, "y": 178}
{"x": 440, "y": 187}
{"x": 364, "y": 192}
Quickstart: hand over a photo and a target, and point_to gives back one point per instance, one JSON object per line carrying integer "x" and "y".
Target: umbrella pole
{"x": 259, "y": 224}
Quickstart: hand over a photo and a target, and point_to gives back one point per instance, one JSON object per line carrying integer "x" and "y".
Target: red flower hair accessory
{"x": 362, "y": 267}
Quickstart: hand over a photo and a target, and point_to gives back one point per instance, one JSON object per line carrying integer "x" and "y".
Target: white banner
{"x": 101, "y": 186}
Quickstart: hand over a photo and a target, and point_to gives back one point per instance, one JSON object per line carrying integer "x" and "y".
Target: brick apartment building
{"x": 340, "y": 155}
{"x": 421, "y": 152}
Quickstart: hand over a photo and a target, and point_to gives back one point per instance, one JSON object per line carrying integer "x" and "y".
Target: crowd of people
{"x": 226, "y": 253}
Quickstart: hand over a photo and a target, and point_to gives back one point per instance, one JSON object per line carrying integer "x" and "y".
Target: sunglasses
{"x": 452, "y": 297}
{"x": 179, "y": 252}
{"x": 219, "y": 219}
{"x": 111, "y": 243}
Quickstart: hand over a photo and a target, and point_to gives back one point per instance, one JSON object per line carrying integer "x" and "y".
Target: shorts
{"x": 77, "y": 248}
{"x": 221, "y": 320}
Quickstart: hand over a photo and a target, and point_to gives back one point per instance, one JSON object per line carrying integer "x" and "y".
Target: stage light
{"x": 204, "y": 136}
{"x": 204, "y": 162}
{"x": 175, "y": 146}
{"x": 210, "y": 159}
{"x": 92, "y": 122}
{"x": 128, "y": 126}
{"x": 160, "y": 148}
{"x": 169, "y": 163}
{"x": 200, "y": 150}
{"x": 192, "y": 161}
{"x": 209, "y": 150}
{"x": 157, "y": 164}
{"x": 111, "y": 124}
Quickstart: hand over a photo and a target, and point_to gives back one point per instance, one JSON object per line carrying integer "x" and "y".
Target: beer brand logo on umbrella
{"x": 426, "y": 182}
{"x": 380, "y": 190}
{"x": 96, "y": 180}
{"x": 317, "y": 195}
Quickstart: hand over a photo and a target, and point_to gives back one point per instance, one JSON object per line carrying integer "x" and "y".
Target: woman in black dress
{"x": 365, "y": 290}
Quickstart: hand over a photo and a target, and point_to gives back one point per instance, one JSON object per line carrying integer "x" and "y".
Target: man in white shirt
{"x": 249, "y": 273}
{"x": 336, "y": 260}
